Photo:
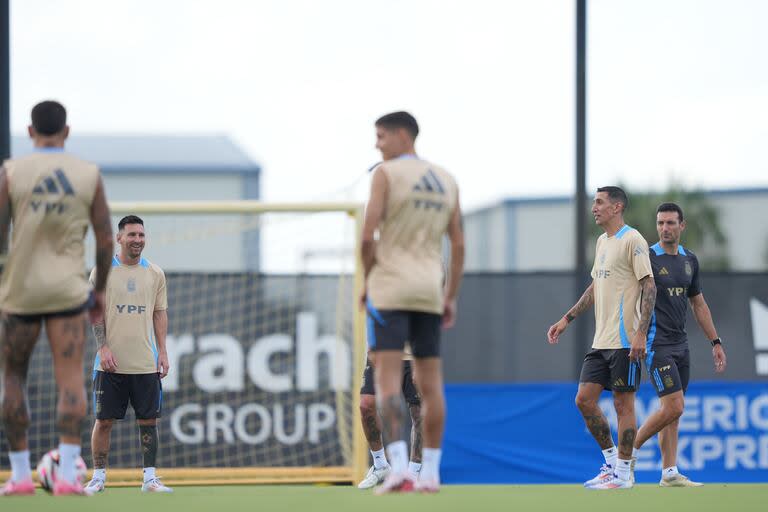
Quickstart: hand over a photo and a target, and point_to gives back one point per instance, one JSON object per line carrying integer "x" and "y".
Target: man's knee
{"x": 104, "y": 425}
{"x": 624, "y": 403}
{"x": 673, "y": 408}
{"x": 367, "y": 405}
{"x": 585, "y": 402}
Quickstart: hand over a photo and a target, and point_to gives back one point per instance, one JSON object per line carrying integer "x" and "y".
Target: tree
{"x": 703, "y": 233}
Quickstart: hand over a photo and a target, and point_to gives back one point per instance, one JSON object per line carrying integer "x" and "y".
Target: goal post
{"x": 266, "y": 344}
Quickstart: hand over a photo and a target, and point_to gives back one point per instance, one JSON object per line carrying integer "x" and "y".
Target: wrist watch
{"x": 716, "y": 341}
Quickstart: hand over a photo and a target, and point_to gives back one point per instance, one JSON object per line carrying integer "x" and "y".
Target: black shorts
{"x": 669, "y": 367}
{"x": 35, "y": 318}
{"x": 612, "y": 369}
{"x": 409, "y": 388}
{"x": 389, "y": 330}
{"x": 113, "y": 391}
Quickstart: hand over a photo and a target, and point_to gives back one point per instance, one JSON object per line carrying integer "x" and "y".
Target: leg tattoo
{"x": 392, "y": 417}
{"x": 416, "y": 436}
{"x": 600, "y": 430}
{"x": 148, "y": 435}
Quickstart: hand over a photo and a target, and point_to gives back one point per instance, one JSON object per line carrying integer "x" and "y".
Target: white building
{"x": 538, "y": 234}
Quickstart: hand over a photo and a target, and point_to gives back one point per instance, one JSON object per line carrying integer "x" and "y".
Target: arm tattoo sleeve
{"x": 585, "y": 302}
{"x": 647, "y": 302}
{"x": 100, "y": 332}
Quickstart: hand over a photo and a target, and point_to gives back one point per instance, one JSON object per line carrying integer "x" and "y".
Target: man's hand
{"x": 96, "y": 313}
{"x": 162, "y": 364}
{"x": 108, "y": 361}
{"x": 718, "y": 354}
{"x": 449, "y": 313}
{"x": 554, "y": 332}
{"x": 637, "y": 347}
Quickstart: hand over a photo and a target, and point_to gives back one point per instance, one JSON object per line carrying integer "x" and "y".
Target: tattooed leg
{"x": 416, "y": 436}
{"x": 17, "y": 340}
{"x": 625, "y": 411}
{"x": 149, "y": 442}
{"x": 67, "y": 336}
{"x": 100, "y": 441}
{"x": 586, "y": 401}
{"x": 371, "y": 422}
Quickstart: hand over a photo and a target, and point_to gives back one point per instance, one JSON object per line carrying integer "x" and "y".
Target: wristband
{"x": 716, "y": 341}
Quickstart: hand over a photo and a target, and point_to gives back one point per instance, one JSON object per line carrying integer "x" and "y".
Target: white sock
{"x": 414, "y": 467}
{"x": 149, "y": 474}
{"x": 670, "y": 471}
{"x": 100, "y": 473}
{"x": 622, "y": 469}
{"x": 379, "y": 459}
{"x": 20, "y": 468}
{"x": 635, "y": 451}
{"x": 611, "y": 455}
{"x": 430, "y": 464}
{"x": 68, "y": 454}
{"x": 398, "y": 456}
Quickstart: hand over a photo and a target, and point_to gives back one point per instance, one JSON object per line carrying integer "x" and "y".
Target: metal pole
{"x": 5, "y": 80}
{"x": 580, "y": 269}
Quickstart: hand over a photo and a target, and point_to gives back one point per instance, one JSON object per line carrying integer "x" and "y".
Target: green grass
{"x": 472, "y": 498}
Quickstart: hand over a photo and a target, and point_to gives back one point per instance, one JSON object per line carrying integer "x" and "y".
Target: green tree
{"x": 703, "y": 232}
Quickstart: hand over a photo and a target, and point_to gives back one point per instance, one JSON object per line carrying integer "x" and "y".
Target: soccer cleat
{"x": 95, "y": 485}
{"x": 400, "y": 483}
{"x": 374, "y": 477}
{"x": 614, "y": 482}
{"x": 426, "y": 486}
{"x": 63, "y": 488}
{"x": 155, "y": 485}
{"x": 23, "y": 488}
{"x": 678, "y": 480}
{"x": 606, "y": 472}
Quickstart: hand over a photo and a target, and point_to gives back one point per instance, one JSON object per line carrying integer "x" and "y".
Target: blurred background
{"x": 275, "y": 101}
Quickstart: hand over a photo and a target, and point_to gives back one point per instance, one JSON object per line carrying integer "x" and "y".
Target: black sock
{"x": 148, "y": 434}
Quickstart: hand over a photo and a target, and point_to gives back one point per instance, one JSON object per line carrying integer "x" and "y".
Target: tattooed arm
{"x": 647, "y": 303}
{"x": 584, "y": 303}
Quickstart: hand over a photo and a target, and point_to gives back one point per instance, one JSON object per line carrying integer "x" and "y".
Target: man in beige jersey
{"x": 131, "y": 357}
{"x": 413, "y": 204}
{"x": 50, "y": 197}
{"x": 624, "y": 293}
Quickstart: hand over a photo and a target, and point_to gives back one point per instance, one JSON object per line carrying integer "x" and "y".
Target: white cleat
{"x": 605, "y": 474}
{"x": 374, "y": 477}
{"x": 155, "y": 485}
{"x": 426, "y": 486}
{"x": 395, "y": 483}
{"x": 678, "y": 480}
{"x": 95, "y": 485}
{"x": 614, "y": 482}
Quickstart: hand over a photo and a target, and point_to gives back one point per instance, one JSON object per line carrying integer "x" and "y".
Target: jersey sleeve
{"x": 161, "y": 297}
{"x": 638, "y": 256}
{"x": 695, "y": 287}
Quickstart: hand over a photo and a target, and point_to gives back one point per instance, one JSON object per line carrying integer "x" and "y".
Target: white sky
{"x": 675, "y": 87}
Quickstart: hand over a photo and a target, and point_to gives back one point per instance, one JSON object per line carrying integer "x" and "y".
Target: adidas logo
{"x": 56, "y": 184}
{"x": 663, "y": 271}
{"x": 429, "y": 183}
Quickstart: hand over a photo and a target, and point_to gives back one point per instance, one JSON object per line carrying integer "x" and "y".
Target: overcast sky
{"x": 676, "y": 87}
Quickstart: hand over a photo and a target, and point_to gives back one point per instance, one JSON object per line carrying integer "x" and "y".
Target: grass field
{"x": 473, "y": 498}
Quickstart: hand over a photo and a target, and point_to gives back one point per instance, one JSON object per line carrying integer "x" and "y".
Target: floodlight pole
{"x": 580, "y": 270}
{"x": 5, "y": 80}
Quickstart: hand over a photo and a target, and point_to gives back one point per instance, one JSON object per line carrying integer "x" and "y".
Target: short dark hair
{"x": 49, "y": 117}
{"x": 399, "y": 120}
{"x": 129, "y": 219}
{"x": 671, "y": 207}
{"x": 616, "y": 195}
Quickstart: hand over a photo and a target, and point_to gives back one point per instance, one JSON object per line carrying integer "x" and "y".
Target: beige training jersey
{"x": 621, "y": 261}
{"x": 50, "y": 194}
{"x": 134, "y": 292}
{"x": 408, "y": 270}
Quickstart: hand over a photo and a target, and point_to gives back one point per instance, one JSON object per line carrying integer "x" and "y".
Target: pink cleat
{"x": 23, "y": 488}
{"x": 427, "y": 486}
{"x": 64, "y": 488}
{"x": 400, "y": 483}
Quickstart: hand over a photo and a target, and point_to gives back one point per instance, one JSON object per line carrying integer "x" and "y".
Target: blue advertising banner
{"x": 533, "y": 433}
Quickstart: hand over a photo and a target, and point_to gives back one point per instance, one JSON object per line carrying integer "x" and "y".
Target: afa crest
{"x": 131, "y": 285}
{"x": 688, "y": 268}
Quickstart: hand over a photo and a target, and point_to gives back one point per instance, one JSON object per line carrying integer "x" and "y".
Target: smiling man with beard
{"x": 131, "y": 357}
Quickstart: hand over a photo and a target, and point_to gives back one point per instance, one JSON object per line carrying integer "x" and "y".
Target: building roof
{"x": 155, "y": 153}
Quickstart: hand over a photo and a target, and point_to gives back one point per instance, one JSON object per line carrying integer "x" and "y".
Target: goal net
{"x": 265, "y": 342}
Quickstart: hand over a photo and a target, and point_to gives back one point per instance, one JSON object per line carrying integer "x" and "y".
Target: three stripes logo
{"x": 429, "y": 183}
{"x": 663, "y": 271}
{"x": 47, "y": 195}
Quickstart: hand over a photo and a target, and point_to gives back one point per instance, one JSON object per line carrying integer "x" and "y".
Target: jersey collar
{"x": 659, "y": 250}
